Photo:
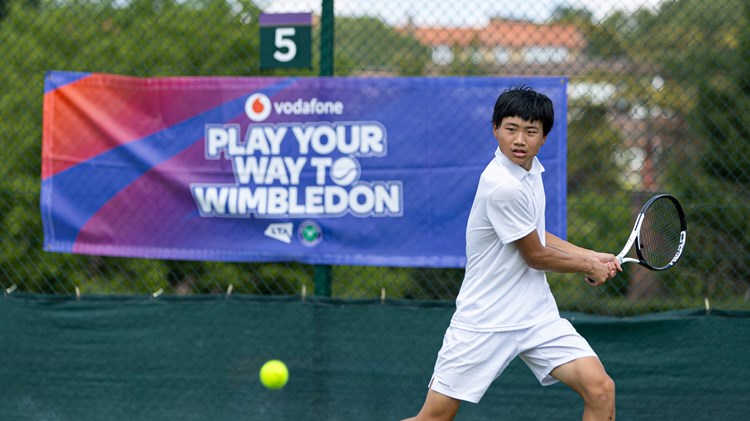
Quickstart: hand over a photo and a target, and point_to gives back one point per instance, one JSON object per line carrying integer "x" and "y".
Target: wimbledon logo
{"x": 310, "y": 233}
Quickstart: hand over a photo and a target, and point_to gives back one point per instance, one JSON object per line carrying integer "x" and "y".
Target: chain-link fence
{"x": 658, "y": 99}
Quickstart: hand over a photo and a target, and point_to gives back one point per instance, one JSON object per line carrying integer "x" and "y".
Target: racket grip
{"x": 590, "y": 281}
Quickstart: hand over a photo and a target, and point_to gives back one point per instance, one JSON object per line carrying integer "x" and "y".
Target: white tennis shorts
{"x": 469, "y": 362}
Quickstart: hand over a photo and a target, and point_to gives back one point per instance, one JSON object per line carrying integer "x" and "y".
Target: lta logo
{"x": 258, "y": 107}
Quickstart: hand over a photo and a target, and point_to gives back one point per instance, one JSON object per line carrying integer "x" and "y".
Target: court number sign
{"x": 285, "y": 40}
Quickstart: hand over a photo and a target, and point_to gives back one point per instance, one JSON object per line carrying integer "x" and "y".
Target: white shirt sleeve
{"x": 510, "y": 212}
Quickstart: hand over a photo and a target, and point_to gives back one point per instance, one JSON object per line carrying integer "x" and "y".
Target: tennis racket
{"x": 658, "y": 235}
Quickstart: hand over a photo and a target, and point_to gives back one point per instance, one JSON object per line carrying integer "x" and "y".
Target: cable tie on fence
{"x": 304, "y": 292}
{"x": 78, "y": 293}
{"x": 707, "y": 305}
{"x": 229, "y": 290}
{"x": 157, "y": 293}
{"x": 382, "y": 295}
{"x": 10, "y": 289}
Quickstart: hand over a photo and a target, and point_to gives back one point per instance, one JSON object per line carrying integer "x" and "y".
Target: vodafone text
{"x": 313, "y": 106}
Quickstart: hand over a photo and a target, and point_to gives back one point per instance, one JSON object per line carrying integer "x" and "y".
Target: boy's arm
{"x": 570, "y": 248}
{"x": 564, "y": 257}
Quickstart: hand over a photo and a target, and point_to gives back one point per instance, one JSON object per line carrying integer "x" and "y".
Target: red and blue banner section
{"x": 341, "y": 171}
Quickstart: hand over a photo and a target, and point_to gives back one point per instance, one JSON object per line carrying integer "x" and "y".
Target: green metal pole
{"x": 326, "y": 38}
{"x": 322, "y": 273}
{"x": 322, "y": 279}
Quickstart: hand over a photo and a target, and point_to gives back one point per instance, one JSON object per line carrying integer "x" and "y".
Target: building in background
{"x": 514, "y": 47}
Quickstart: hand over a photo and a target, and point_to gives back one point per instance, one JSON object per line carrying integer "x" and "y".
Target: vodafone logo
{"x": 258, "y": 107}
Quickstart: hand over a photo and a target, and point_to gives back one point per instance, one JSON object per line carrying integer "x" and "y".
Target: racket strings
{"x": 659, "y": 238}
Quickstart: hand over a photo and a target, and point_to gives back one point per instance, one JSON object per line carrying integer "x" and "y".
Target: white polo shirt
{"x": 500, "y": 292}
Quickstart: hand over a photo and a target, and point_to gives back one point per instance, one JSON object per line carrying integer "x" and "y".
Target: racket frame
{"x": 635, "y": 233}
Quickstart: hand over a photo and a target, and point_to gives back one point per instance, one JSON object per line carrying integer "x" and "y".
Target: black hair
{"x": 525, "y": 103}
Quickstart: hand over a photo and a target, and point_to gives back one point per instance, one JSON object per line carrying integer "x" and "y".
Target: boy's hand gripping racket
{"x": 658, "y": 234}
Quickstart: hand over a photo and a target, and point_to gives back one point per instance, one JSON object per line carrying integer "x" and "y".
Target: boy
{"x": 505, "y": 308}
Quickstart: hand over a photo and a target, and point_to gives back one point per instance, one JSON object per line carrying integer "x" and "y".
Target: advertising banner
{"x": 342, "y": 171}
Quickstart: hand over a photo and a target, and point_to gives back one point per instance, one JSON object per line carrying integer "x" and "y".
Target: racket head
{"x": 662, "y": 233}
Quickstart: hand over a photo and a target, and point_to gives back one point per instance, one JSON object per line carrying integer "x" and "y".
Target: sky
{"x": 472, "y": 13}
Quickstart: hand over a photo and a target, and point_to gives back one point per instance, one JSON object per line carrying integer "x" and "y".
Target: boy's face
{"x": 519, "y": 140}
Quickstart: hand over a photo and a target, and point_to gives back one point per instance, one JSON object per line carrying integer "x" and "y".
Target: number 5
{"x": 282, "y": 41}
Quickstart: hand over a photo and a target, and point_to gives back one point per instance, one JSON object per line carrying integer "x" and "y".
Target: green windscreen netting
{"x": 197, "y": 358}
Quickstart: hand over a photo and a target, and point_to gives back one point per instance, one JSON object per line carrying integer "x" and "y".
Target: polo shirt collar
{"x": 517, "y": 170}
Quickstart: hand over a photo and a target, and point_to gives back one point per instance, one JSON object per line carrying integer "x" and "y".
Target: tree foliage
{"x": 687, "y": 65}
{"x": 703, "y": 50}
{"x": 141, "y": 38}
{"x": 689, "y": 88}
{"x": 373, "y": 46}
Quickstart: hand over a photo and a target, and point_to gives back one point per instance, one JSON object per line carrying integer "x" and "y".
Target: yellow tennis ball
{"x": 274, "y": 374}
